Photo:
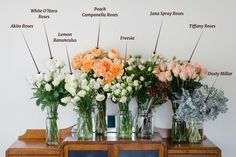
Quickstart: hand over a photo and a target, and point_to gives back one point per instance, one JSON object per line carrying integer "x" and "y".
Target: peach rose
{"x": 203, "y": 73}
{"x": 176, "y": 70}
{"x": 197, "y": 68}
{"x": 98, "y": 68}
{"x": 113, "y": 53}
{"x": 116, "y": 69}
{"x": 96, "y": 52}
{"x": 106, "y": 63}
{"x": 108, "y": 78}
{"x": 77, "y": 62}
{"x": 87, "y": 65}
{"x": 183, "y": 74}
{"x": 162, "y": 76}
{"x": 88, "y": 57}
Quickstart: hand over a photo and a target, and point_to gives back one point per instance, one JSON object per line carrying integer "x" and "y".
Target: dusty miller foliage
{"x": 199, "y": 106}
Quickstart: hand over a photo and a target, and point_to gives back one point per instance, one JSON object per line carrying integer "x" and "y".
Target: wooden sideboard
{"x": 32, "y": 144}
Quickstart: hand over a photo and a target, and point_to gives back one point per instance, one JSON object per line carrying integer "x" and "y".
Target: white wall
{"x": 216, "y": 51}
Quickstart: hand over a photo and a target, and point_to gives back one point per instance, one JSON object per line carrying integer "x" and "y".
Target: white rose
{"x": 52, "y": 68}
{"x": 39, "y": 77}
{"x": 82, "y": 93}
{"x": 60, "y": 64}
{"x": 50, "y": 63}
{"x": 141, "y": 78}
{"x": 66, "y": 100}
{"x": 70, "y": 89}
{"x": 117, "y": 92}
{"x": 100, "y": 97}
{"x": 123, "y": 99}
{"x": 47, "y": 77}
{"x": 124, "y": 92}
{"x": 136, "y": 83}
{"x": 129, "y": 89}
{"x": 48, "y": 87}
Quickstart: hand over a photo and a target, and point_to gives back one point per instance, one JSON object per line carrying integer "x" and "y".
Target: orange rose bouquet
{"x": 99, "y": 63}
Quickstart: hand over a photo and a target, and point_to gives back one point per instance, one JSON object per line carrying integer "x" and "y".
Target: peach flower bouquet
{"x": 96, "y": 62}
{"x": 181, "y": 74}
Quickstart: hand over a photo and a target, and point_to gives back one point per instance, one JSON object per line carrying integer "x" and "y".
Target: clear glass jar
{"x": 100, "y": 118}
{"x": 194, "y": 134}
{"x": 85, "y": 126}
{"x": 124, "y": 122}
{"x": 52, "y": 132}
{"x": 145, "y": 125}
{"x": 178, "y": 131}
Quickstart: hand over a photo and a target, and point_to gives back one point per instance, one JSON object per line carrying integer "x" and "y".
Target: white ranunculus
{"x": 84, "y": 83}
{"x": 136, "y": 83}
{"x": 48, "y": 87}
{"x": 123, "y": 92}
{"x": 47, "y": 77}
{"x": 129, "y": 89}
{"x": 123, "y": 99}
{"x": 82, "y": 93}
{"x": 141, "y": 78}
{"x": 55, "y": 82}
{"x": 117, "y": 91}
{"x": 66, "y": 100}
{"x": 60, "y": 64}
{"x": 97, "y": 85}
{"x": 100, "y": 97}
{"x": 87, "y": 88}
{"x": 106, "y": 87}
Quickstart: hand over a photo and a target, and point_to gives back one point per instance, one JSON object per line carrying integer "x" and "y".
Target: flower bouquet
{"x": 97, "y": 63}
{"x": 180, "y": 75}
{"x": 148, "y": 96}
{"x": 48, "y": 91}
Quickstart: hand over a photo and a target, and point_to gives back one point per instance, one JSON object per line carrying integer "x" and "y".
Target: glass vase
{"x": 194, "y": 135}
{"x": 52, "y": 132}
{"x": 145, "y": 125}
{"x": 124, "y": 122}
{"x": 100, "y": 120}
{"x": 178, "y": 131}
{"x": 85, "y": 126}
